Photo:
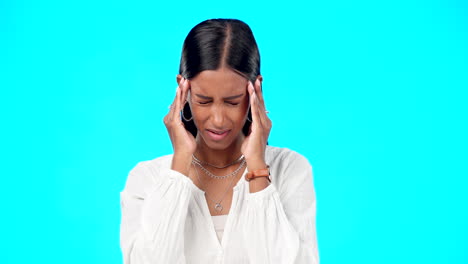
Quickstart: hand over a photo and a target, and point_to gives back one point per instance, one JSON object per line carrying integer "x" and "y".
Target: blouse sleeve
{"x": 153, "y": 213}
{"x": 280, "y": 225}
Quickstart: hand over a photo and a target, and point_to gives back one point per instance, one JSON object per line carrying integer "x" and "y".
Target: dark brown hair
{"x": 217, "y": 43}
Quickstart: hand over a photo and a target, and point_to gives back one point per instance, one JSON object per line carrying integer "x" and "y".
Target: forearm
{"x": 181, "y": 163}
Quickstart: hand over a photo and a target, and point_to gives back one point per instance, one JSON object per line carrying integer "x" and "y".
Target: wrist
{"x": 256, "y": 165}
{"x": 257, "y": 183}
{"x": 181, "y": 163}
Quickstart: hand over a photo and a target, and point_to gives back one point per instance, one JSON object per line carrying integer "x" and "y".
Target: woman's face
{"x": 219, "y": 102}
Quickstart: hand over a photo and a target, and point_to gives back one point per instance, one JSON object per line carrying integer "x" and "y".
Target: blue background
{"x": 373, "y": 93}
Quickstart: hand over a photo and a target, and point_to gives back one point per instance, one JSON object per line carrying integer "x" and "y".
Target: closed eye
{"x": 231, "y": 103}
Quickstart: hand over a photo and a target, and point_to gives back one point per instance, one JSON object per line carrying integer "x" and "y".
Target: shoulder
{"x": 288, "y": 168}
{"x": 145, "y": 173}
{"x": 156, "y": 163}
{"x": 285, "y": 157}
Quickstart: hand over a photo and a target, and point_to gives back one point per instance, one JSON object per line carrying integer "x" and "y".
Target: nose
{"x": 217, "y": 117}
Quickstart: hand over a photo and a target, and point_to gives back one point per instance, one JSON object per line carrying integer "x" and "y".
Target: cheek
{"x": 198, "y": 117}
{"x": 200, "y": 113}
{"x": 239, "y": 115}
{"x": 245, "y": 108}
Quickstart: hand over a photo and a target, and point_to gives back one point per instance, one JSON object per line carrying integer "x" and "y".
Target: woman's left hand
{"x": 254, "y": 145}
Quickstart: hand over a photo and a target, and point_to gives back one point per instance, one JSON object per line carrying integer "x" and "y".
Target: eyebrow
{"x": 225, "y": 98}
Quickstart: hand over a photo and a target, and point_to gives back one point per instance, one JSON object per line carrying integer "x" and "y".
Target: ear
{"x": 189, "y": 95}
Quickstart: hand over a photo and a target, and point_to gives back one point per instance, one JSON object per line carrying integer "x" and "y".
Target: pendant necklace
{"x": 218, "y": 207}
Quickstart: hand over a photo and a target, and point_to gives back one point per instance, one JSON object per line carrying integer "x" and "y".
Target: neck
{"x": 219, "y": 157}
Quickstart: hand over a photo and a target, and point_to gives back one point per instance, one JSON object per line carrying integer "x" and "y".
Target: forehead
{"x": 222, "y": 81}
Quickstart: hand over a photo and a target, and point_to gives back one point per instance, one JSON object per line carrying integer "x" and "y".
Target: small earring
{"x": 182, "y": 114}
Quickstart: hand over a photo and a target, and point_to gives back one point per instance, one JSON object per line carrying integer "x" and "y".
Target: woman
{"x": 183, "y": 208}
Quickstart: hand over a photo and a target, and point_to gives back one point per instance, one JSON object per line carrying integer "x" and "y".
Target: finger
{"x": 256, "y": 121}
{"x": 251, "y": 98}
{"x": 177, "y": 106}
{"x": 264, "y": 119}
{"x": 172, "y": 106}
{"x": 179, "y": 87}
{"x": 261, "y": 112}
{"x": 180, "y": 104}
{"x": 258, "y": 90}
{"x": 169, "y": 115}
{"x": 250, "y": 91}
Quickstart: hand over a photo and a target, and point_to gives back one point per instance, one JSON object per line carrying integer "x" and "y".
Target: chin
{"x": 218, "y": 145}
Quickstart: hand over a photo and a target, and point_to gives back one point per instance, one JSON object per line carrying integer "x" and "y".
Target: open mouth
{"x": 217, "y": 134}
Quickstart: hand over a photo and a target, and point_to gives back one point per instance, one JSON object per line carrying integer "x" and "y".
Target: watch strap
{"x": 258, "y": 173}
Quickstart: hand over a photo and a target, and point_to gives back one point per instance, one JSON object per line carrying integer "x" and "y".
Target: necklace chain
{"x": 209, "y": 173}
{"x": 218, "y": 207}
{"x": 218, "y": 167}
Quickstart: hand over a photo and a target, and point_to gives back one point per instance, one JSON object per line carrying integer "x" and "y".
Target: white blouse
{"x": 166, "y": 219}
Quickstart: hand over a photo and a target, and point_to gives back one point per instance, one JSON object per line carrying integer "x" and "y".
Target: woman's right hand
{"x": 183, "y": 142}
